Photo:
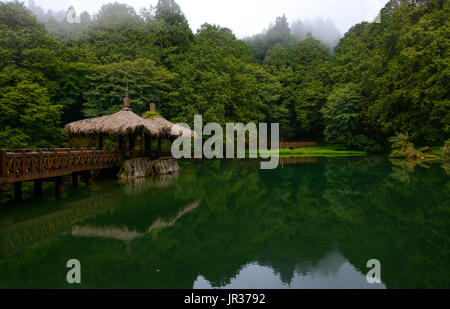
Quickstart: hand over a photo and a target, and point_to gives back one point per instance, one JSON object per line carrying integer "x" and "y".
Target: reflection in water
{"x": 126, "y": 235}
{"x": 15, "y": 236}
{"x": 133, "y": 186}
{"x": 332, "y": 272}
{"x": 229, "y": 224}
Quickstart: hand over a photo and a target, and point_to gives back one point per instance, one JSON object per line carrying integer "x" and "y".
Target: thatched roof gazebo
{"x": 168, "y": 129}
{"x": 126, "y": 123}
{"x": 121, "y": 123}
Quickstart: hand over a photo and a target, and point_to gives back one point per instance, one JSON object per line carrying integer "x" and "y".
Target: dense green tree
{"x": 148, "y": 83}
{"x": 303, "y": 69}
{"x": 29, "y": 70}
{"x": 342, "y": 119}
{"x": 401, "y": 67}
{"x": 117, "y": 33}
{"x": 217, "y": 80}
{"x": 28, "y": 116}
{"x": 277, "y": 34}
{"x": 398, "y": 69}
{"x": 170, "y": 29}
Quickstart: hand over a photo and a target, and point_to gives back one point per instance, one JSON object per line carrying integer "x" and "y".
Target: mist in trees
{"x": 282, "y": 33}
{"x": 323, "y": 30}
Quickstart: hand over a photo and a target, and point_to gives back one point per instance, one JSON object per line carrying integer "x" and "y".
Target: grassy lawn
{"x": 327, "y": 151}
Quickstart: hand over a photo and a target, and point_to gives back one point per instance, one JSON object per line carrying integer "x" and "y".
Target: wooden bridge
{"x": 51, "y": 164}
{"x": 29, "y": 165}
{"x": 284, "y": 144}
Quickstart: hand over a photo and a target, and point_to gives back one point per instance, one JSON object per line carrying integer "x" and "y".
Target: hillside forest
{"x": 357, "y": 89}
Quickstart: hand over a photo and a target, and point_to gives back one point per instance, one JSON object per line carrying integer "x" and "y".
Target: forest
{"x": 358, "y": 90}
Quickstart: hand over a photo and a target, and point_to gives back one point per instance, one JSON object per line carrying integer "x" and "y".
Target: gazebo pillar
{"x": 121, "y": 143}
{"x": 100, "y": 142}
{"x": 148, "y": 143}
{"x": 159, "y": 145}
{"x": 131, "y": 141}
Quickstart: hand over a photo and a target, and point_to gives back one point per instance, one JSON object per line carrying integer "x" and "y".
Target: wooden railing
{"x": 297, "y": 144}
{"x": 23, "y": 165}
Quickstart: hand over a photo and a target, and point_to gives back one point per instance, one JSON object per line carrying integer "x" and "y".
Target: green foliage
{"x": 303, "y": 69}
{"x": 446, "y": 151}
{"x": 343, "y": 123}
{"x": 383, "y": 77}
{"x": 28, "y": 74}
{"x": 28, "y": 116}
{"x": 401, "y": 67}
{"x": 148, "y": 82}
{"x": 151, "y": 115}
{"x": 402, "y": 147}
{"x": 170, "y": 30}
{"x": 217, "y": 80}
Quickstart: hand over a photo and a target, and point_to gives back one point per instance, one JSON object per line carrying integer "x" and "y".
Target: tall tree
{"x": 303, "y": 69}
{"x": 400, "y": 66}
{"x": 148, "y": 83}
{"x": 342, "y": 119}
{"x": 217, "y": 80}
{"x": 29, "y": 70}
{"x": 170, "y": 28}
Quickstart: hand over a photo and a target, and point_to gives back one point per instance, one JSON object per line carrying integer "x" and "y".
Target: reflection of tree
{"x": 133, "y": 186}
{"x": 403, "y": 224}
{"x": 446, "y": 166}
{"x": 402, "y": 170}
{"x": 291, "y": 220}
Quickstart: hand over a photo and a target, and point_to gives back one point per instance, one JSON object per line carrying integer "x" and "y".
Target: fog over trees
{"x": 283, "y": 33}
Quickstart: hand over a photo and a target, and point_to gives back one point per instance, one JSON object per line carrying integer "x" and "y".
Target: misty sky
{"x": 246, "y": 17}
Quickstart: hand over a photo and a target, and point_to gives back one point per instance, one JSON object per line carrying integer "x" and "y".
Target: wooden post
{"x": 100, "y": 142}
{"x": 59, "y": 187}
{"x": 148, "y": 143}
{"x": 121, "y": 146}
{"x": 24, "y": 163}
{"x": 41, "y": 161}
{"x": 38, "y": 188}
{"x": 3, "y": 167}
{"x": 69, "y": 161}
{"x": 159, "y": 145}
{"x": 87, "y": 178}
{"x": 131, "y": 138}
{"x": 56, "y": 160}
{"x": 75, "y": 180}
{"x": 18, "y": 191}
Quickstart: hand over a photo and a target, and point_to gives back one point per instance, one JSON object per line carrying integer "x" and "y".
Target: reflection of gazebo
{"x": 126, "y": 124}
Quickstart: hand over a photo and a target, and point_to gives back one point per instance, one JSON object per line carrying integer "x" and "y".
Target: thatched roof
{"x": 170, "y": 129}
{"x": 126, "y": 122}
{"x": 120, "y": 123}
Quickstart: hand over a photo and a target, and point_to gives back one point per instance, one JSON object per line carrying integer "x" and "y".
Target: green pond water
{"x": 311, "y": 223}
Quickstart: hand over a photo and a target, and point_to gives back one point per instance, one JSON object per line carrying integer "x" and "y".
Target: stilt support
{"x": 18, "y": 191}
{"x": 38, "y": 188}
{"x": 59, "y": 187}
{"x": 75, "y": 180}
